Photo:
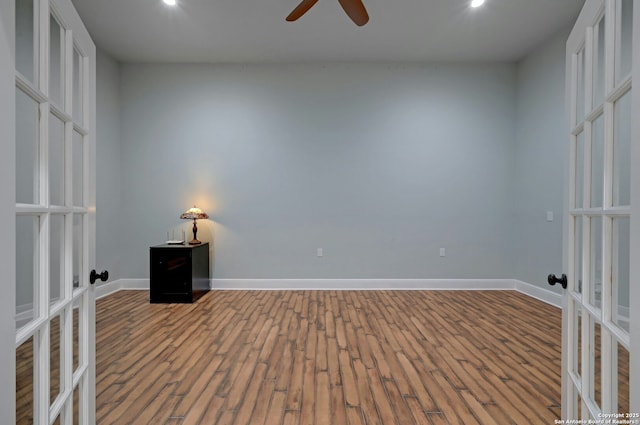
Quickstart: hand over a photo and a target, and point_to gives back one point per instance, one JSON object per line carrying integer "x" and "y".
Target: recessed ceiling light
{"x": 477, "y": 3}
{"x": 170, "y": 2}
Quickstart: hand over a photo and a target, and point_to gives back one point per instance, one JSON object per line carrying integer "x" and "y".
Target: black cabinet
{"x": 179, "y": 273}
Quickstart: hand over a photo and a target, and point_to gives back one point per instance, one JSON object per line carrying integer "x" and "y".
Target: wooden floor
{"x": 329, "y": 357}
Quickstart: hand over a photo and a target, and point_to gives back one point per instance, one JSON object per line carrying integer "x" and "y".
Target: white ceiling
{"x": 256, "y": 31}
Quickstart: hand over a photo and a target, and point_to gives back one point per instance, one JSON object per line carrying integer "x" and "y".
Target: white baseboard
{"x": 534, "y": 291}
{"x": 542, "y": 294}
{"x": 362, "y": 284}
{"x": 135, "y": 284}
{"x": 108, "y": 288}
{"x": 120, "y": 285}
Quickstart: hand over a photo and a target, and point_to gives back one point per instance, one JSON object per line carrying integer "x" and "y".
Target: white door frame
{"x": 635, "y": 225}
{"x": 581, "y": 282}
{"x": 85, "y": 127}
{"x": 7, "y": 212}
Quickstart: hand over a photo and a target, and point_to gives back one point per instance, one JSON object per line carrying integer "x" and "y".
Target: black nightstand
{"x": 179, "y": 273}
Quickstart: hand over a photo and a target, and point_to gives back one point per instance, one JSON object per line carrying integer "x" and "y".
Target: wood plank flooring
{"x": 329, "y": 357}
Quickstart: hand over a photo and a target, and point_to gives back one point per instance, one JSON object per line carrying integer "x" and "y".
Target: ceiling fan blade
{"x": 300, "y": 10}
{"x": 356, "y": 11}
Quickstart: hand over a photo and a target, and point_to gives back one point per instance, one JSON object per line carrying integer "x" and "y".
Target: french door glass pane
{"x": 56, "y": 80}
{"x": 25, "y": 47}
{"x": 27, "y": 232}
{"x": 26, "y": 149}
{"x": 77, "y": 88}
{"x": 24, "y": 383}
{"x": 56, "y": 160}
{"x": 622, "y": 151}
{"x": 598, "y": 63}
{"x": 624, "y": 40}
{"x": 597, "y": 162}
{"x": 56, "y": 257}
{"x": 579, "y": 177}
{"x": 76, "y": 399}
{"x": 54, "y": 358}
{"x": 623, "y": 379}
{"x": 78, "y": 169}
{"x": 595, "y": 296}
{"x": 577, "y": 338}
{"x": 580, "y": 407}
{"x": 596, "y": 363}
{"x": 580, "y": 109}
{"x": 76, "y": 335}
{"x": 77, "y": 249}
{"x": 578, "y": 253}
{"x": 621, "y": 267}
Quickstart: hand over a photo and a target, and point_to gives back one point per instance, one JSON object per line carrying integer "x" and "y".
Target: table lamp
{"x": 194, "y": 214}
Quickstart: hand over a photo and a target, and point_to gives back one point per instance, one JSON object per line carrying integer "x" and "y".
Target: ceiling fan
{"x": 353, "y": 8}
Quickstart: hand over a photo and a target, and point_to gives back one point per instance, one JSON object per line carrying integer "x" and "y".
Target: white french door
{"x": 601, "y": 305}
{"x": 54, "y": 214}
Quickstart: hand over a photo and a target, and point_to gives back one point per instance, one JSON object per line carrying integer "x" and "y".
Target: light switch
{"x": 549, "y": 215}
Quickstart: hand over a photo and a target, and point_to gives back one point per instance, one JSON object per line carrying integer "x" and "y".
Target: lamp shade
{"x": 194, "y": 214}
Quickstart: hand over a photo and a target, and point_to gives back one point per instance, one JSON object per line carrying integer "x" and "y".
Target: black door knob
{"x": 552, "y": 279}
{"x": 93, "y": 276}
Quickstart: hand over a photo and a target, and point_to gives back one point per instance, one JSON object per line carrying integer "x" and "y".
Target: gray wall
{"x": 379, "y": 165}
{"x": 540, "y": 157}
{"x": 110, "y": 212}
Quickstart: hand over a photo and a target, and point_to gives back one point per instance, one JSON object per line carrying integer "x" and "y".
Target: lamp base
{"x": 195, "y": 240}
